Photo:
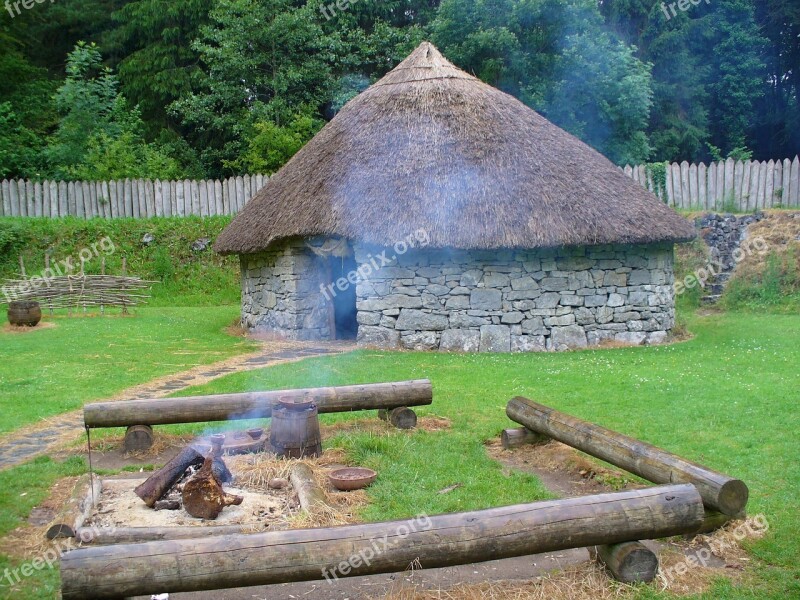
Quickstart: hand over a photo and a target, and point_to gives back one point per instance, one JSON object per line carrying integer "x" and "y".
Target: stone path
{"x": 724, "y": 235}
{"x": 49, "y": 434}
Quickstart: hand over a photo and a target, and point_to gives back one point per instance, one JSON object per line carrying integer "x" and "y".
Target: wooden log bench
{"x": 720, "y": 492}
{"x": 140, "y": 415}
{"x": 220, "y": 562}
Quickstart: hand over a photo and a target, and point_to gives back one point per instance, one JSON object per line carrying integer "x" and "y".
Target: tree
{"x": 777, "y": 131}
{"x": 261, "y": 61}
{"x": 678, "y": 125}
{"x": 153, "y": 39}
{"x": 737, "y": 71}
{"x": 557, "y": 57}
{"x": 98, "y": 134}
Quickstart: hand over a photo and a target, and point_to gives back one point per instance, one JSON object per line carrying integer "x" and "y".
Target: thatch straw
{"x": 432, "y": 147}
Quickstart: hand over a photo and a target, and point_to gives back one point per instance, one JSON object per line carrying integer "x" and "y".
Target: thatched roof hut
{"x": 544, "y": 243}
{"x": 430, "y": 146}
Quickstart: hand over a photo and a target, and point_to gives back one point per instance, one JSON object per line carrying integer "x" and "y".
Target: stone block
{"x": 534, "y": 326}
{"x": 555, "y": 284}
{"x": 571, "y": 300}
{"x": 495, "y": 338}
{"x": 524, "y": 283}
{"x": 528, "y": 343}
{"x": 512, "y": 318}
{"x": 562, "y": 321}
{"x": 425, "y": 340}
{"x": 615, "y": 279}
{"x": 378, "y": 336}
{"x": 471, "y": 278}
{"x": 639, "y": 277}
{"x": 583, "y": 316}
{"x": 548, "y": 300}
{"x": 486, "y": 299}
{"x": 615, "y": 300}
{"x": 417, "y": 320}
{"x": 635, "y": 338}
{"x": 496, "y": 280}
{"x": 368, "y": 318}
{"x": 564, "y": 338}
{"x": 657, "y": 337}
{"x": 595, "y": 300}
{"x": 438, "y": 290}
{"x": 460, "y": 340}
{"x": 457, "y": 303}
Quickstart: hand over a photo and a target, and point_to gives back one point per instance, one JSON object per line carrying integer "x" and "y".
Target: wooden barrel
{"x": 295, "y": 431}
{"x": 25, "y": 313}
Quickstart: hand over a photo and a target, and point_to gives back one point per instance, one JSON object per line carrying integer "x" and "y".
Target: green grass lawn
{"x": 50, "y": 371}
{"x": 727, "y": 399}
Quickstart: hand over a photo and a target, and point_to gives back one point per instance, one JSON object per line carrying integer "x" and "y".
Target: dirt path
{"x": 46, "y": 436}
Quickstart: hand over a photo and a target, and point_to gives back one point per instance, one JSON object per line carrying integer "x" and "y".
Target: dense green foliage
{"x": 214, "y": 87}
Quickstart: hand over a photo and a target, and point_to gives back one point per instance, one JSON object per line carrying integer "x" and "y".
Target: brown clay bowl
{"x": 255, "y": 432}
{"x": 351, "y": 478}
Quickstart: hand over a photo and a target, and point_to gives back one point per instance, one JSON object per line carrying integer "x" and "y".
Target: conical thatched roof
{"x": 432, "y": 147}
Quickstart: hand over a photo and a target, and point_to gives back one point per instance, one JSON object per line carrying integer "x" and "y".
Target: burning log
{"x": 77, "y": 509}
{"x": 159, "y": 483}
{"x": 203, "y": 496}
{"x": 719, "y": 491}
{"x": 308, "y": 554}
{"x": 253, "y": 405}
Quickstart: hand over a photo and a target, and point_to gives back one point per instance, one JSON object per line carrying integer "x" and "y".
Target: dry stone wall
{"x": 528, "y": 300}
{"x": 281, "y": 292}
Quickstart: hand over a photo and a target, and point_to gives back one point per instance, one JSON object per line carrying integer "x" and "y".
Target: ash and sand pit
{"x": 263, "y": 508}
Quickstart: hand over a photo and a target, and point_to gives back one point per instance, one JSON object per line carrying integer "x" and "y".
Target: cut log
{"x": 719, "y": 491}
{"x": 352, "y": 550}
{"x": 77, "y": 509}
{"x": 154, "y": 487}
{"x": 203, "y": 496}
{"x": 401, "y": 417}
{"x": 138, "y": 438}
{"x": 105, "y": 536}
{"x": 714, "y": 520}
{"x": 628, "y": 562}
{"x": 254, "y": 405}
{"x": 309, "y": 493}
{"x": 521, "y": 436}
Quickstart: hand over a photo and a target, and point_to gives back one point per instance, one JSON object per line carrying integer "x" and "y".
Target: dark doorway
{"x": 344, "y": 300}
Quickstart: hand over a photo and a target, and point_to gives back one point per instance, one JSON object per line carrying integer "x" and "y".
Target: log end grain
{"x": 628, "y": 562}
{"x": 138, "y": 438}
{"x": 520, "y": 436}
{"x": 732, "y": 497}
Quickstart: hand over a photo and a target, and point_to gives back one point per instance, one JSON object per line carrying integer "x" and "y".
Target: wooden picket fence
{"x": 741, "y": 186}
{"x": 137, "y": 198}
{"x": 729, "y": 186}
